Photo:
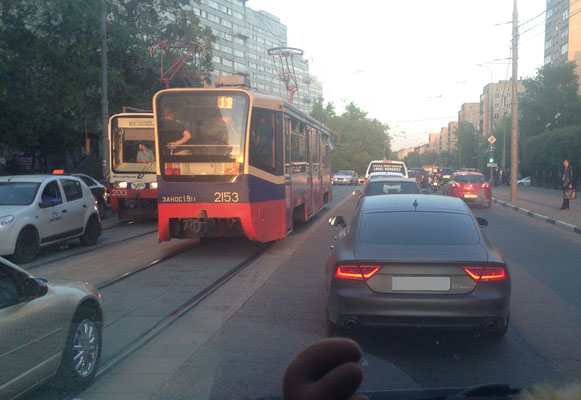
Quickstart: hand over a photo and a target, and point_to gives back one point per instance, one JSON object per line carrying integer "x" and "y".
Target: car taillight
{"x": 486, "y": 274}
{"x": 356, "y": 272}
{"x": 485, "y": 185}
{"x": 172, "y": 171}
{"x": 455, "y": 184}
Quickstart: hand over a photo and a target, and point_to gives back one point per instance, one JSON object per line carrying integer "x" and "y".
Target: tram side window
{"x": 266, "y": 146}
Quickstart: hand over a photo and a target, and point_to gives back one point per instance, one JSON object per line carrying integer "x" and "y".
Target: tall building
{"x": 470, "y": 112}
{"x": 563, "y": 32}
{"x": 242, "y": 37}
{"x": 444, "y": 139}
{"x": 495, "y": 103}
{"x": 452, "y": 135}
{"x": 435, "y": 142}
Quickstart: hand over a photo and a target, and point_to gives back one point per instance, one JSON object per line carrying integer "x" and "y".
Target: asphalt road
{"x": 249, "y": 354}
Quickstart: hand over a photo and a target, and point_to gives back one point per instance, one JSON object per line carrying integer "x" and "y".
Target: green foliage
{"x": 468, "y": 145}
{"x": 358, "y": 139}
{"x": 552, "y": 92}
{"x": 551, "y": 148}
{"x": 50, "y": 66}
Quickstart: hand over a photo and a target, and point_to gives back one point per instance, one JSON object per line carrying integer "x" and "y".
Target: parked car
{"x": 48, "y": 328}
{"x": 98, "y": 190}
{"x": 345, "y": 177}
{"x": 415, "y": 261}
{"x": 524, "y": 181}
{"x": 472, "y": 187}
{"x": 39, "y": 210}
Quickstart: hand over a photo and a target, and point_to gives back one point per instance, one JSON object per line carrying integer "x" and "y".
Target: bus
{"x": 235, "y": 162}
{"x": 132, "y": 175}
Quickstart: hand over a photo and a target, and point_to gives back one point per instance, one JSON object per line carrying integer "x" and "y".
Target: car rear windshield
{"x": 17, "y": 193}
{"x": 374, "y": 188}
{"x": 470, "y": 179}
{"x": 418, "y": 228}
{"x": 345, "y": 173}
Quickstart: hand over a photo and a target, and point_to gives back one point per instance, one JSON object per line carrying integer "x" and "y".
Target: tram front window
{"x": 201, "y": 134}
{"x": 132, "y": 144}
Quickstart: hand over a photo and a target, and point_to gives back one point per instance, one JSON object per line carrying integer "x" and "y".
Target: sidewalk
{"x": 542, "y": 203}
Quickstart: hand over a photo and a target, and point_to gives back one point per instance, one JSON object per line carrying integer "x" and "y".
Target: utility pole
{"x": 514, "y": 106}
{"x": 104, "y": 98}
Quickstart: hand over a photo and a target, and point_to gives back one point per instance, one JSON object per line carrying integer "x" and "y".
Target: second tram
{"x": 233, "y": 162}
{"x": 132, "y": 178}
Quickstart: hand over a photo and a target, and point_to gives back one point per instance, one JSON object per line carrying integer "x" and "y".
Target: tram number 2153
{"x": 226, "y": 197}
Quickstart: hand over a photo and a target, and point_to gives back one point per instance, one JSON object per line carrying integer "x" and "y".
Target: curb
{"x": 562, "y": 224}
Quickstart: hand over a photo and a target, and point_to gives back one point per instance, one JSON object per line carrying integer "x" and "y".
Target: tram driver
{"x": 175, "y": 134}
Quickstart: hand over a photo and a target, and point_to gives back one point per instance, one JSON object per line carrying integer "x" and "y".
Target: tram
{"x": 234, "y": 162}
{"x": 132, "y": 175}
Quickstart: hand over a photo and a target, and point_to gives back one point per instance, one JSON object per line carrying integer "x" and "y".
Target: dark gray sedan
{"x": 416, "y": 261}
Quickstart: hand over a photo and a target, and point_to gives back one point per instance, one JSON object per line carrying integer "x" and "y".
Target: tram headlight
{"x": 120, "y": 185}
{"x": 153, "y": 185}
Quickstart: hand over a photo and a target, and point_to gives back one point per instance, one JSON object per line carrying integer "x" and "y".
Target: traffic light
{"x": 491, "y": 158}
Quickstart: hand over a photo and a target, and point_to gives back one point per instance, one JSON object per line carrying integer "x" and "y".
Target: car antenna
{"x": 416, "y": 204}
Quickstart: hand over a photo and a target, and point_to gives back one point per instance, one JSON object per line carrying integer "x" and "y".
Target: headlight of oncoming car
{"x": 121, "y": 185}
{"x": 153, "y": 185}
{"x": 6, "y": 220}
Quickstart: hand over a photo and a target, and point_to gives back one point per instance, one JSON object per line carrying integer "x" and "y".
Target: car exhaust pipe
{"x": 351, "y": 324}
{"x": 491, "y": 326}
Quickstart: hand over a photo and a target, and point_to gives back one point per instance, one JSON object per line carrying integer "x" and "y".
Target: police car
{"x": 39, "y": 210}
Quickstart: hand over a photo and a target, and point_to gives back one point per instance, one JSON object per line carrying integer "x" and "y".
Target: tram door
{"x": 287, "y": 174}
{"x": 316, "y": 186}
{"x": 309, "y": 199}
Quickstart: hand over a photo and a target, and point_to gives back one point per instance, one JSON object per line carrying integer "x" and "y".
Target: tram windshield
{"x": 132, "y": 144}
{"x": 201, "y": 133}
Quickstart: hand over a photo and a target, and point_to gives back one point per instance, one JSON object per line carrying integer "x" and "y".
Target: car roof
{"x": 25, "y": 178}
{"x": 469, "y": 173}
{"x": 393, "y": 179}
{"x": 32, "y": 178}
{"x": 413, "y": 202}
{"x": 392, "y": 173}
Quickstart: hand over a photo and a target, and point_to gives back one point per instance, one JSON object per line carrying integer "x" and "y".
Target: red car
{"x": 470, "y": 186}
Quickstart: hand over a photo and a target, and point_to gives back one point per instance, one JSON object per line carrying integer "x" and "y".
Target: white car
{"x": 39, "y": 210}
{"x": 345, "y": 178}
{"x": 524, "y": 181}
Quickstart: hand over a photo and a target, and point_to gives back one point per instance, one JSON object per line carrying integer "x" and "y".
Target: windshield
{"x": 18, "y": 193}
{"x": 132, "y": 144}
{"x": 345, "y": 173}
{"x": 374, "y": 188}
{"x": 470, "y": 179}
{"x": 201, "y": 133}
{"x": 418, "y": 228}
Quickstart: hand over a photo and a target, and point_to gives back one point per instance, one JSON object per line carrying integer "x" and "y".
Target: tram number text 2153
{"x": 226, "y": 197}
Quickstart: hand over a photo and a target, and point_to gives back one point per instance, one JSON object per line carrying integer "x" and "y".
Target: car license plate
{"x": 470, "y": 196}
{"x": 432, "y": 283}
{"x": 446, "y": 176}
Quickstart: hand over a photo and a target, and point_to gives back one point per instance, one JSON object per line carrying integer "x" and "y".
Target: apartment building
{"x": 243, "y": 36}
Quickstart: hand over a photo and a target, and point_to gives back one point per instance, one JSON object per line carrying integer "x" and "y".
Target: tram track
{"x": 178, "y": 313}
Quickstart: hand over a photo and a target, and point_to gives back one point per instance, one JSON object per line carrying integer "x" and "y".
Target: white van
{"x": 386, "y": 166}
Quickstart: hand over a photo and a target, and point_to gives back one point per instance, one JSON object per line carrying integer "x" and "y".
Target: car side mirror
{"x": 337, "y": 221}
{"x": 356, "y": 192}
{"x": 46, "y": 204}
{"x": 482, "y": 222}
{"x": 33, "y": 288}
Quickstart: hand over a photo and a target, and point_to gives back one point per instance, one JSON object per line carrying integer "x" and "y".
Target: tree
{"x": 358, "y": 139}
{"x": 551, "y": 98}
{"x": 468, "y": 145}
{"x": 50, "y": 65}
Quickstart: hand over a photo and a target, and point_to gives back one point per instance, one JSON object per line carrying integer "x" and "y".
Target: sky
{"x": 410, "y": 63}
